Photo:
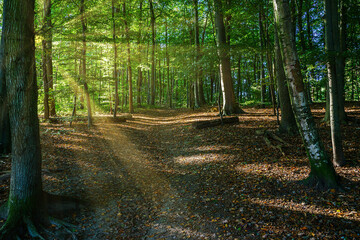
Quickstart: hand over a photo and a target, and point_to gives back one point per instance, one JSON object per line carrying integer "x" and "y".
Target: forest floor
{"x": 156, "y": 177}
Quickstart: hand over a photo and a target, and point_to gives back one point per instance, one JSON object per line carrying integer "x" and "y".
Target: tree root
{"x": 266, "y": 135}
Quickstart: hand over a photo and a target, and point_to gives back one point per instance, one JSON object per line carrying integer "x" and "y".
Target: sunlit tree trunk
{"x": 24, "y": 204}
{"x": 140, "y": 71}
{"x": 131, "y": 104}
{"x": 49, "y": 101}
{"x": 230, "y": 105}
{"x": 322, "y": 173}
{"x": 332, "y": 49}
{"x": 83, "y": 64}
{"x": 115, "y": 74}
{"x": 152, "y": 80}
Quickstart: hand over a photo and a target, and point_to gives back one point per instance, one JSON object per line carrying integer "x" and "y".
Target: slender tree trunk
{"x": 131, "y": 104}
{"x": 152, "y": 80}
{"x": 332, "y": 49}
{"x": 47, "y": 47}
{"x": 115, "y": 73}
{"x": 140, "y": 71}
{"x": 287, "y": 122}
{"x": 229, "y": 103}
{"x": 83, "y": 64}
{"x": 322, "y": 173}
{"x": 24, "y": 204}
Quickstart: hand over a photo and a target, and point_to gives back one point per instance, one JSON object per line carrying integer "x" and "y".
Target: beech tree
{"x": 322, "y": 173}
{"x": 287, "y": 122}
{"x": 230, "y": 105}
{"x": 332, "y": 50}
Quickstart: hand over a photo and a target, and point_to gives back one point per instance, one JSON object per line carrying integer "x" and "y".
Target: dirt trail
{"x": 159, "y": 212}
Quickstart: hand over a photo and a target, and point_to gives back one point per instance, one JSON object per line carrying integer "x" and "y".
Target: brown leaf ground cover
{"x": 156, "y": 177}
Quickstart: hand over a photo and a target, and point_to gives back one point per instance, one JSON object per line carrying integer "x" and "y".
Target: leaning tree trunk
{"x": 322, "y": 173}
{"x": 229, "y": 102}
{"x": 287, "y": 122}
{"x": 24, "y": 204}
{"x": 331, "y": 36}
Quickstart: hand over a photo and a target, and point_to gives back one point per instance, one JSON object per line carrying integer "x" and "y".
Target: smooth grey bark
{"x": 230, "y": 105}
{"x": 24, "y": 203}
{"x": 287, "y": 122}
{"x": 332, "y": 50}
{"x": 322, "y": 174}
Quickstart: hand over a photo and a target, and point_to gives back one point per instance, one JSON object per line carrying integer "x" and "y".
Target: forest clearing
{"x": 157, "y": 177}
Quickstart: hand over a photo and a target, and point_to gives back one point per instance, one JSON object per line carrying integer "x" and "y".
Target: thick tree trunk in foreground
{"x": 322, "y": 173}
{"x": 332, "y": 49}
{"x": 287, "y": 122}
{"x": 19, "y": 59}
{"x": 230, "y": 105}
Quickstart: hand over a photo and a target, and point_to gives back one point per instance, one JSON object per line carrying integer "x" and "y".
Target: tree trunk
{"x": 152, "y": 80}
{"x": 322, "y": 173}
{"x": 5, "y": 139}
{"x": 229, "y": 103}
{"x": 24, "y": 204}
{"x": 83, "y": 64}
{"x": 49, "y": 101}
{"x": 131, "y": 104}
{"x": 287, "y": 122}
{"x": 115, "y": 73}
{"x": 332, "y": 49}
{"x": 140, "y": 73}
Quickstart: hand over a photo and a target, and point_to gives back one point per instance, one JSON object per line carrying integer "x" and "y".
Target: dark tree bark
{"x": 230, "y": 105}
{"x": 5, "y": 140}
{"x": 332, "y": 49}
{"x": 24, "y": 204}
{"x": 287, "y": 122}
{"x": 48, "y": 79}
{"x": 322, "y": 173}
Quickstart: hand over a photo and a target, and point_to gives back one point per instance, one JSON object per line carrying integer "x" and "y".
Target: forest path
{"x": 133, "y": 161}
{"x": 156, "y": 177}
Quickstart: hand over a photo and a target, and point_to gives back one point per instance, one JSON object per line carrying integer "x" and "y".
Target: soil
{"x": 157, "y": 177}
